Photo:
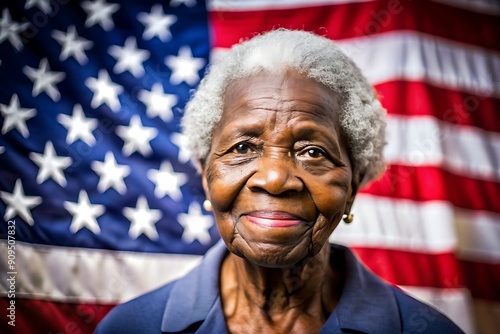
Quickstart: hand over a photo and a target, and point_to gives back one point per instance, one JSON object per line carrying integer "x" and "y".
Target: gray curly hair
{"x": 361, "y": 115}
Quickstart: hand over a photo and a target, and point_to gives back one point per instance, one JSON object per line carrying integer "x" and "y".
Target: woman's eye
{"x": 315, "y": 153}
{"x": 242, "y": 149}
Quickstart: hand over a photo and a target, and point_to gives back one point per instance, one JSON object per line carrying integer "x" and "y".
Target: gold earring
{"x": 348, "y": 218}
{"x": 207, "y": 205}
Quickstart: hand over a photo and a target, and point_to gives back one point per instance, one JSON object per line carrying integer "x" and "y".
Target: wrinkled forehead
{"x": 285, "y": 91}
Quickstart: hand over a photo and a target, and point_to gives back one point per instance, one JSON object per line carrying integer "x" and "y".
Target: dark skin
{"x": 279, "y": 178}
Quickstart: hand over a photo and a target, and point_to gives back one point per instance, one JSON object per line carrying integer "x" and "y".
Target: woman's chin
{"x": 271, "y": 255}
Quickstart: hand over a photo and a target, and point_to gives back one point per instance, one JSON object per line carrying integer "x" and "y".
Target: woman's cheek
{"x": 224, "y": 185}
{"x": 330, "y": 194}
{"x": 225, "y": 225}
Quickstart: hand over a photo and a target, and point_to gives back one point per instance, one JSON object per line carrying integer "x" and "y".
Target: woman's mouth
{"x": 274, "y": 219}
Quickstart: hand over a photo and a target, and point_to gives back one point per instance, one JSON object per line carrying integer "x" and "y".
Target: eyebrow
{"x": 331, "y": 138}
{"x": 231, "y": 132}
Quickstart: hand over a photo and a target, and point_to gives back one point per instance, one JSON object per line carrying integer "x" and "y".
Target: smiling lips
{"x": 274, "y": 219}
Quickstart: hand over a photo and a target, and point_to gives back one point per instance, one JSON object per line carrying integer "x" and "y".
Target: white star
{"x": 44, "y": 79}
{"x": 84, "y": 213}
{"x": 78, "y": 126}
{"x": 15, "y": 116}
{"x": 19, "y": 204}
{"x": 10, "y": 30}
{"x": 181, "y": 142}
{"x": 136, "y": 137}
{"x": 129, "y": 57}
{"x": 158, "y": 103}
{"x": 167, "y": 181}
{"x": 2, "y": 149}
{"x": 188, "y": 3}
{"x": 143, "y": 219}
{"x": 157, "y": 23}
{"x": 72, "y": 45}
{"x": 100, "y": 12}
{"x": 43, "y": 5}
{"x": 50, "y": 165}
{"x": 184, "y": 67}
{"x": 196, "y": 225}
{"x": 111, "y": 174}
{"x": 105, "y": 91}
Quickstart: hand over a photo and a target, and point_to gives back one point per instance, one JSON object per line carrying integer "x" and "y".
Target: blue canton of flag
{"x": 91, "y": 99}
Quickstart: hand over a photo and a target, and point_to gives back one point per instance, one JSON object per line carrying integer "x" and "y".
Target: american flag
{"x": 106, "y": 205}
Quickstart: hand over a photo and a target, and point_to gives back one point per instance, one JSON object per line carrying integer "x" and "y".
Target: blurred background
{"x": 98, "y": 199}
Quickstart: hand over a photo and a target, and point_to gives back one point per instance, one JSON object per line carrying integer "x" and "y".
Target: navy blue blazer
{"x": 192, "y": 304}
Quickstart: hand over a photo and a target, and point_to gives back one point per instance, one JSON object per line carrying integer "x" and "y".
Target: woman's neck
{"x": 280, "y": 299}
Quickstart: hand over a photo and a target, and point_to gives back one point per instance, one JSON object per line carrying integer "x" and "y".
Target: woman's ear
{"x": 355, "y": 184}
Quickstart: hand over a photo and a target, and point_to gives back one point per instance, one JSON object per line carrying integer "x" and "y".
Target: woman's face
{"x": 278, "y": 173}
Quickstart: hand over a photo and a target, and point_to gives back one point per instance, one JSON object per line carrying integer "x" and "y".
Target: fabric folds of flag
{"x": 100, "y": 203}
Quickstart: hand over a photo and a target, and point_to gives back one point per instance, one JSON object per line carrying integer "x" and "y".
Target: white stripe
{"x": 426, "y": 141}
{"x": 424, "y": 227}
{"x": 401, "y": 224}
{"x": 89, "y": 275}
{"x": 479, "y": 236}
{"x": 62, "y": 273}
{"x": 454, "y": 303}
{"x": 244, "y": 5}
{"x": 413, "y": 56}
{"x": 409, "y": 55}
{"x": 481, "y": 6}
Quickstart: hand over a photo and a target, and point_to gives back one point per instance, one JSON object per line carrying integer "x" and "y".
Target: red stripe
{"x": 433, "y": 270}
{"x": 434, "y": 183}
{"x": 38, "y": 316}
{"x": 361, "y": 19}
{"x": 483, "y": 279}
{"x": 422, "y": 99}
{"x": 413, "y": 269}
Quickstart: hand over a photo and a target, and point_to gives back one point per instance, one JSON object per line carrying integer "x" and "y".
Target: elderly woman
{"x": 286, "y": 130}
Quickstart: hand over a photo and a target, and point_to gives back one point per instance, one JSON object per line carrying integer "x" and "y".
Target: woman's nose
{"x": 276, "y": 175}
